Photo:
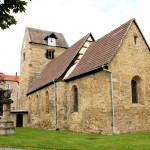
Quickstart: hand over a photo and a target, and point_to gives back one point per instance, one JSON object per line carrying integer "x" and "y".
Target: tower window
{"x": 50, "y": 54}
{"x": 135, "y": 40}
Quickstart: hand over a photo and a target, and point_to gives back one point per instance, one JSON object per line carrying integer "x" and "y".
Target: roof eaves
{"x": 32, "y": 91}
{"x": 51, "y": 46}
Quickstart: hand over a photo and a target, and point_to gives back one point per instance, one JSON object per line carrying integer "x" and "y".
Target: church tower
{"x": 38, "y": 48}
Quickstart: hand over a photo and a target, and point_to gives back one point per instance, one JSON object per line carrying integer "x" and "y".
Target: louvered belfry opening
{"x": 50, "y": 54}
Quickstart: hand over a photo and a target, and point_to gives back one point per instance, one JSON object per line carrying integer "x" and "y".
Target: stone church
{"x": 99, "y": 86}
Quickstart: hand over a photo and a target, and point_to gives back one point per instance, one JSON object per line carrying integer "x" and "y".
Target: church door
{"x": 19, "y": 120}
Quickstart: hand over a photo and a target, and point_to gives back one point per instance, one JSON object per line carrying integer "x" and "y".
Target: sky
{"x": 73, "y": 18}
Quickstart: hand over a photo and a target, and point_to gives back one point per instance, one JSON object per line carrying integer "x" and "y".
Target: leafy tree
{"x": 6, "y": 8}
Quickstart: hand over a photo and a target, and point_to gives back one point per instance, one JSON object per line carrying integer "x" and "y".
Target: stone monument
{"x": 6, "y": 125}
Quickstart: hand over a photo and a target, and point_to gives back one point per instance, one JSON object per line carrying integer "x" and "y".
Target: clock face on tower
{"x": 51, "y": 41}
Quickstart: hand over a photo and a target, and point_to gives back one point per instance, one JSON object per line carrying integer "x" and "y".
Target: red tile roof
{"x": 9, "y": 77}
{"x": 56, "y": 68}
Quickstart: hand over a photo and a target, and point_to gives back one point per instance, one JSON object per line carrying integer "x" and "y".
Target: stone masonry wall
{"x": 132, "y": 60}
{"x": 94, "y": 104}
{"x": 36, "y": 104}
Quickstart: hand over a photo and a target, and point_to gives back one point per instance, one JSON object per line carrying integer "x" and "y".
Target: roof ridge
{"x": 43, "y": 30}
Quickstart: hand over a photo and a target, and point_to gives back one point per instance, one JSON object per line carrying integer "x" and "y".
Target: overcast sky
{"x": 73, "y": 18}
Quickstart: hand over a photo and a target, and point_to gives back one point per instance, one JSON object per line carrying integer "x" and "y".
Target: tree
{"x": 7, "y": 7}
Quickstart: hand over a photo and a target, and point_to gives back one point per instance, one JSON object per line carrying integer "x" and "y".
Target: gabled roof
{"x": 39, "y": 36}
{"x": 4, "y": 77}
{"x": 101, "y": 51}
{"x": 57, "y": 67}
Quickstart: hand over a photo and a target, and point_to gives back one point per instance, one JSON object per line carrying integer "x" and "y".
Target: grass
{"x": 40, "y": 139}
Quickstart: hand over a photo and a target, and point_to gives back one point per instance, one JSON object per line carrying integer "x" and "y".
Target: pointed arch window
{"x": 75, "y": 99}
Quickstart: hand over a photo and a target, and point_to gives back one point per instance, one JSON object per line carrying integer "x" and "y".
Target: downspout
{"x": 112, "y": 100}
{"x": 55, "y": 106}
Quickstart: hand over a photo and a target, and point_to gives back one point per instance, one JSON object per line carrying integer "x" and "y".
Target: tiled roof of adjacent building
{"x": 39, "y": 36}
{"x": 4, "y": 77}
{"x": 57, "y": 67}
{"x": 99, "y": 53}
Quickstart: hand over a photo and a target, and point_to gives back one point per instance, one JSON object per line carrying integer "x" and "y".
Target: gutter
{"x": 112, "y": 99}
{"x": 55, "y": 106}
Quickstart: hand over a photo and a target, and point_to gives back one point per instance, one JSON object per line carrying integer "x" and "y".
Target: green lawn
{"x": 38, "y": 139}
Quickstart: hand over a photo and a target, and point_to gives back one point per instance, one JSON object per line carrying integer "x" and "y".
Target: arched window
{"x": 134, "y": 91}
{"x": 137, "y": 90}
{"x": 75, "y": 99}
{"x": 46, "y": 102}
{"x": 37, "y": 104}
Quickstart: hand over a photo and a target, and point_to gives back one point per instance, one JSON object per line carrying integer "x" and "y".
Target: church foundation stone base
{"x": 7, "y": 128}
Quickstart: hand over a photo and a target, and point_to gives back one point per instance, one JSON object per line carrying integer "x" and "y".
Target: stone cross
{"x": 6, "y": 125}
{"x": 6, "y": 106}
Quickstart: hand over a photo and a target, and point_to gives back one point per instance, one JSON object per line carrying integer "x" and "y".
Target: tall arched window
{"x": 37, "y": 104}
{"x": 134, "y": 91}
{"x": 137, "y": 90}
{"x": 46, "y": 102}
{"x": 75, "y": 99}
